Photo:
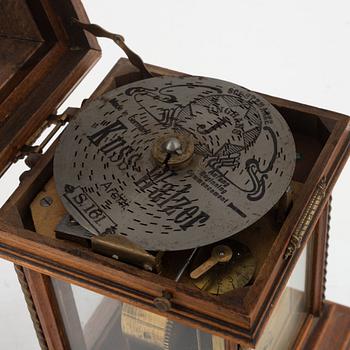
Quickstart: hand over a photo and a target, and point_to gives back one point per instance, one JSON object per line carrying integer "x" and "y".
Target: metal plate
{"x": 243, "y": 161}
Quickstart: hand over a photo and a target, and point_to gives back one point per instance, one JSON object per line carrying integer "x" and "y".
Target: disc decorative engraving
{"x": 241, "y": 163}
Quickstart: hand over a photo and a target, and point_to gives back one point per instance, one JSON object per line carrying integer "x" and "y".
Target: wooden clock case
{"x": 44, "y": 59}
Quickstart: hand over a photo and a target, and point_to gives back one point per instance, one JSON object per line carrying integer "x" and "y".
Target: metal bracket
{"x": 120, "y": 248}
{"x": 307, "y": 218}
{"x": 114, "y": 246}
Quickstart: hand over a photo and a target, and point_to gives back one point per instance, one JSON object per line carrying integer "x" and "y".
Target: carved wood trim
{"x": 45, "y": 302}
{"x": 31, "y": 307}
{"x": 320, "y": 261}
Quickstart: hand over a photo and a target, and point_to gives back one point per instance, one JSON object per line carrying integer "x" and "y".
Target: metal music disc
{"x": 225, "y": 277}
{"x": 174, "y": 163}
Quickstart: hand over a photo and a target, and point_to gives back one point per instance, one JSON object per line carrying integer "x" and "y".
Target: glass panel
{"x": 96, "y": 322}
{"x": 291, "y": 310}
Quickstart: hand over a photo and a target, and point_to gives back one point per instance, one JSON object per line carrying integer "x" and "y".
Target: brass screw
{"x": 46, "y": 201}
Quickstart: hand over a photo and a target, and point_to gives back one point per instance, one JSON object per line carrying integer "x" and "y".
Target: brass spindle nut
{"x": 163, "y": 303}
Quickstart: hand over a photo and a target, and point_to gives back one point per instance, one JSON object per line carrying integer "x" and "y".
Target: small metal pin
{"x": 184, "y": 267}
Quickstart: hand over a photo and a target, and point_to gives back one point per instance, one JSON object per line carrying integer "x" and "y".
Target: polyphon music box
{"x": 196, "y": 209}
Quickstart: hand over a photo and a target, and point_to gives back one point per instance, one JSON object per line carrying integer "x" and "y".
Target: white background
{"x": 298, "y": 50}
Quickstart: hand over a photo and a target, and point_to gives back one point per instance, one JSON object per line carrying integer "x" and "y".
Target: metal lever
{"x": 120, "y": 41}
{"x": 219, "y": 254}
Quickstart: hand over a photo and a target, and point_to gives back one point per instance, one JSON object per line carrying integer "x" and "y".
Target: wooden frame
{"x": 240, "y": 320}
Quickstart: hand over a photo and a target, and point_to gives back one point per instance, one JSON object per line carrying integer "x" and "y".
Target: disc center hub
{"x": 173, "y": 150}
{"x": 173, "y": 145}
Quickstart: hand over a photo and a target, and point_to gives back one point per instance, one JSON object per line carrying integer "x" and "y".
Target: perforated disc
{"x": 236, "y": 161}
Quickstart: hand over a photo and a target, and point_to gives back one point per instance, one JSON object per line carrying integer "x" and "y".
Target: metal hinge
{"x": 33, "y": 153}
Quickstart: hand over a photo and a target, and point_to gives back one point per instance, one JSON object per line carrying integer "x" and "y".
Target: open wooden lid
{"x": 43, "y": 55}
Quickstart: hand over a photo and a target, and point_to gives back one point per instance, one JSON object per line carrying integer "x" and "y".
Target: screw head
{"x": 162, "y": 304}
{"x": 46, "y": 201}
{"x": 147, "y": 267}
{"x": 72, "y": 221}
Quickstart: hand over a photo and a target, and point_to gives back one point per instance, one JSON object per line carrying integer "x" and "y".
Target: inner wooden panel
{"x": 310, "y": 135}
{"x": 21, "y": 45}
{"x": 17, "y": 59}
{"x": 17, "y": 22}
{"x": 13, "y": 55}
